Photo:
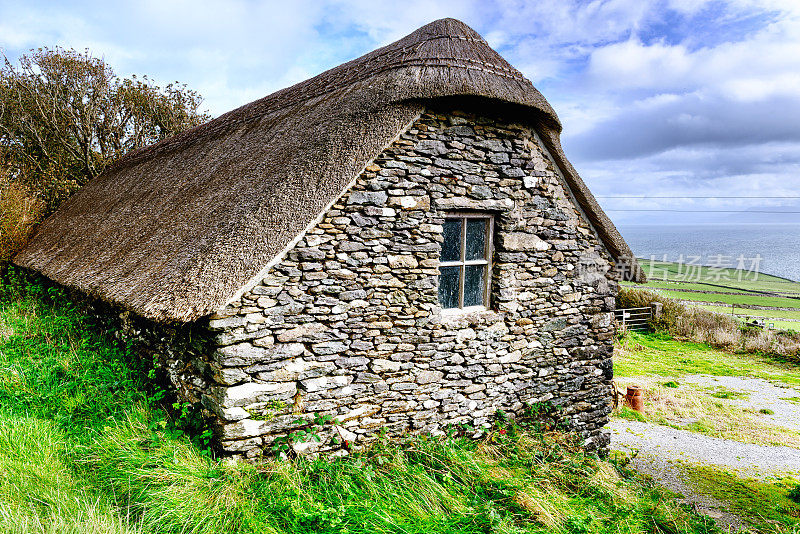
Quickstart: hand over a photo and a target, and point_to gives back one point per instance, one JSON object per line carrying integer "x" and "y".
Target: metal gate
{"x": 637, "y": 319}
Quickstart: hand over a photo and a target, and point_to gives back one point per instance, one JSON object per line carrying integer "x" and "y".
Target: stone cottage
{"x": 399, "y": 243}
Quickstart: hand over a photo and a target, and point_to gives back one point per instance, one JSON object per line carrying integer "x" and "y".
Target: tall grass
{"x": 40, "y": 491}
{"x": 715, "y": 329}
{"x": 55, "y": 365}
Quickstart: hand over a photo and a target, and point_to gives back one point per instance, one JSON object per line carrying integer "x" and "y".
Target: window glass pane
{"x": 448, "y": 286}
{"x": 474, "y": 277}
{"x": 476, "y": 239}
{"x": 451, "y": 247}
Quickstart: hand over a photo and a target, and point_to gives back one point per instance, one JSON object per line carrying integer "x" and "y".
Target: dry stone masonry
{"x": 348, "y": 323}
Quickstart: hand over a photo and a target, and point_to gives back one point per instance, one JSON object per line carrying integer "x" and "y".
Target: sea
{"x": 766, "y": 248}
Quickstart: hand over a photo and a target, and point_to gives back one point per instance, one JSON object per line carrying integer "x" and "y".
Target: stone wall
{"x": 347, "y": 323}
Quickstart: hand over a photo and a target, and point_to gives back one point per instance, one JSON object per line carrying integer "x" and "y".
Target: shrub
{"x": 639, "y": 298}
{"x": 794, "y": 494}
{"x": 716, "y": 329}
{"x": 20, "y": 212}
{"x": 65, "y": 116}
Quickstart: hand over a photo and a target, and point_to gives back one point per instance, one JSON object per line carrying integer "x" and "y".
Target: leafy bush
{"x": 640, "y": 298}
{"x": 19, "y": 214}
{"x": 65, "y": 116}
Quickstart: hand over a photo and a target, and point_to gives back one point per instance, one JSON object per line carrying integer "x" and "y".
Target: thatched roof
{"x": 172, "y": 231}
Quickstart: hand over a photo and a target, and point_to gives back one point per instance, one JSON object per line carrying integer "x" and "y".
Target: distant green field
{"x": 711, "y": 287}
{"x": 715, "y": 279}
{"x": 727, "y": 286}
{"x": 784, "y": 325}
{"x": 753, "y": 299}
{"x": 785, "y": 314}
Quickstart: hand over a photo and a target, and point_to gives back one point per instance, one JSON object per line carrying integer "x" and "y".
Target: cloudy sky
{"x": 670, "y": 98}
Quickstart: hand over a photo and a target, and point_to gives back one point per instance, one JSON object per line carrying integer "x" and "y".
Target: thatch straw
{"x": 172, "y": 231}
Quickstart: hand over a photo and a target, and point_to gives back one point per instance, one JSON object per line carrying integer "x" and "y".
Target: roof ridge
{"x": 334, "y": 77}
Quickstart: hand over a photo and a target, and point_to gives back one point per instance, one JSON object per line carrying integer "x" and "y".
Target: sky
{"x": 665, "y": 99}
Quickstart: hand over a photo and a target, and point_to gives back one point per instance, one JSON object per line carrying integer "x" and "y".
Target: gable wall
{"x": 348, "y": 322}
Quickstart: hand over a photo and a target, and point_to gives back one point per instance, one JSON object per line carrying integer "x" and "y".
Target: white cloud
{"x": 660, "y": 95}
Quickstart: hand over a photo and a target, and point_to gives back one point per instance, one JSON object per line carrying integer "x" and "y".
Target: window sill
{"x": 462, "y": 311}
{"x": 473, "y": 315}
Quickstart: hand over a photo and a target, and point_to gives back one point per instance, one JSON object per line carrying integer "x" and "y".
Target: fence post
{"x": 655, "y": 310}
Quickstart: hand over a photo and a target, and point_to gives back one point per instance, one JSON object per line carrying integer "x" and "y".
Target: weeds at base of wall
{"x": 308, "y": 430}
{"x": 538, "y": 417}
{"x": 170, "y": 415}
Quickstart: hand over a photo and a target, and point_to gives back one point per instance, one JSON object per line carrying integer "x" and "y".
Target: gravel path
{"x": 671, "y": 445}
{"x": 660, "y": 451}
{"x": 784, "y": 401}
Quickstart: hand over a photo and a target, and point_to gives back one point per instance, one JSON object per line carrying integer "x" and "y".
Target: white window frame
{"x": 463, "y": 262}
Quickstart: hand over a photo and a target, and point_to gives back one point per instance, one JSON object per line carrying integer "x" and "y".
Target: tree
{"x": 65, "y": 116}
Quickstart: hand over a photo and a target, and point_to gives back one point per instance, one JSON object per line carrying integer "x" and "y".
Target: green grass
{"x": 661, "y": 355}
{"x": 659, "y": 272}
{"x": 789, "y": 326}
{"x": 631, "y": 415}
{"x": 748, "y": 287}
{"x": 786, "y": 289}
{"x": 724, "y": 393}
{"x": 766, "y": 505}
{"x": 40, "y": 489}
{"x": 746, "y": 312}
{"x": 779, "y": 302}
{"x": 85, "y": 448}
{"x": 697, "y": 286}
{"x": 53, "y": 369}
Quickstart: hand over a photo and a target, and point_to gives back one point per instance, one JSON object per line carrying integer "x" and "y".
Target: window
{"x": 464, "y": 267}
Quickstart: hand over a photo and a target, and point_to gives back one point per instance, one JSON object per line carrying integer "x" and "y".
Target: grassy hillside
{"x": 86, "y": 446}
{"x": 733, "y": 291}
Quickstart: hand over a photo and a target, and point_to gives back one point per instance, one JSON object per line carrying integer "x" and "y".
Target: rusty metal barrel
{"x": 635, "y": 398}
